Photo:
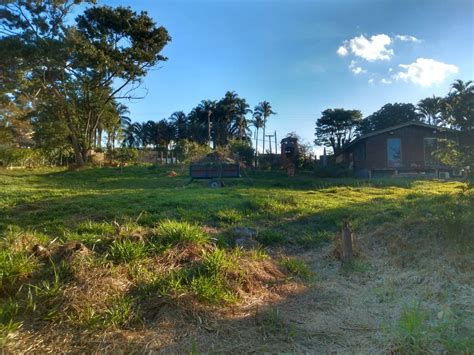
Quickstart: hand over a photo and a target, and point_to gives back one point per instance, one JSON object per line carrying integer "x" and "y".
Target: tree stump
{"x": 347, "y": 241}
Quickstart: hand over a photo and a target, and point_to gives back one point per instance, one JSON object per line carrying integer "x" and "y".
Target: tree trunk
{"x": 75, "y": 145}
{"x": 256, "y": 149}
{"x": 99, "y": 137}
{"x": 264, "y": 124}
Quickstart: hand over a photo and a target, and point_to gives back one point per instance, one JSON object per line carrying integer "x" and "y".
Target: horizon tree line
{"x": 214, "y": 122}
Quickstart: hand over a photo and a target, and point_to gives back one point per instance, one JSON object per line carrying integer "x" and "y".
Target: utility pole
{"x": 276, "y": 147}
{"x": 269, "y": 141}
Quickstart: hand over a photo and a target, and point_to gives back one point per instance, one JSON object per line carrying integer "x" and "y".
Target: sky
{"x": 304, "y": 56}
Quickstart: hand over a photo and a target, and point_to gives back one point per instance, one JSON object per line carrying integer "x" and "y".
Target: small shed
{"x": 406, "y": 149}
{"x": 289, "y": 149}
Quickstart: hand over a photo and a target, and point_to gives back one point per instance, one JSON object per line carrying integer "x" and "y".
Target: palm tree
{"x": 265, "y": 110}
{"x": 257, "y": 123}
{"x": 460, "y": 87}
{"x": 430, "y": 108}
{"x": 209, "y": 107}
{"x": 180, "y": 121}
{"x": 130, "y": 136}
{"x": 458, "y": 105}
{"x": 241, "y": 124}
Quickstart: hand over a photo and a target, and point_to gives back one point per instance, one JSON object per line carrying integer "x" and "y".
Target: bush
{"x": 123, "y": 155}
{"x": 23, "y": 157}
{"x": 242, "y": 151}
{"x": 188, "y": 151}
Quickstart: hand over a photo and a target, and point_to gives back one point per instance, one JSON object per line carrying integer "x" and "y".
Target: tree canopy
{"x": 337, "y": 127}
{"x": 389, "y": 115}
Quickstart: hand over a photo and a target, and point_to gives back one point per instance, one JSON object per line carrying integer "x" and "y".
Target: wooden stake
{"x": 347, "y": 250}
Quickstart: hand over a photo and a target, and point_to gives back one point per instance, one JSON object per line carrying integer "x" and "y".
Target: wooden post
{"x": 347, "y": 251}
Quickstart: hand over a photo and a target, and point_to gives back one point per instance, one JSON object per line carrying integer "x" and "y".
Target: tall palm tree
{"x": 265, "y": 110}
{"x": 430, "y": 108}
{"x": 257, "y": 123}
{"x": 209, "y": 107}
{"x": 241, "y": 123}
{"x": 180, "y": 121}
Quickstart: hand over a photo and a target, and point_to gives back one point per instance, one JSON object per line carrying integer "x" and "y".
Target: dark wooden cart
{"x": 214, "y": 172}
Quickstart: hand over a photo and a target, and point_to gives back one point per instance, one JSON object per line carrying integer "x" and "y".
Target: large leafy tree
{"x": 389, "y": 115}
{"x": 265, "y": 110}
{"x": 78, "y": 68}
{"x": 337, "y": 127}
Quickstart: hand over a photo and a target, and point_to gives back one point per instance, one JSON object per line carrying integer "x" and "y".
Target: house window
{"x": 394, "y": 152}
{"x": 430, "y": 146}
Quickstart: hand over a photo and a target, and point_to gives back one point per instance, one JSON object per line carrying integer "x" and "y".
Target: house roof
{"x": 392, "y": 128}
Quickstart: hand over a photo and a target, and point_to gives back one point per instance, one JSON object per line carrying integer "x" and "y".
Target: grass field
{"x": 99, "y": 260}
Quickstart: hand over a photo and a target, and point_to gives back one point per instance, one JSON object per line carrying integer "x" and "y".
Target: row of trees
{"x": 337, "y": 127}
{"x": 216, "y": 121}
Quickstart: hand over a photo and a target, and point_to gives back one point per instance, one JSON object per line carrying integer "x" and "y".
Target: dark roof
{"x": 388, "y": 129}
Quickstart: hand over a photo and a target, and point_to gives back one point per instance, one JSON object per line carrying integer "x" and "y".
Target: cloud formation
{"x": 370, "y": 49}
{"x": 342, "y": 51}
{"x": 355, "y": 69}
{"x": 425, "y": 72}
{"x": 407, "y": 38}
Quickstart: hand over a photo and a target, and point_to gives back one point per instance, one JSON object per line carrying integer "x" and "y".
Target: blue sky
{"x": 288, "y": 52}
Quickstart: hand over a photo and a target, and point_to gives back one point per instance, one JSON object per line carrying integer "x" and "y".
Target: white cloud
{"x": 371, "y": 80}
{"x": 385, "y": 81}
{"x": 370, "y": 49}
{"x": 342, "y": 51}
{"x": 407, "y": 38}
{"x": 355, "y": 69}
{"x": 425, "y": 72}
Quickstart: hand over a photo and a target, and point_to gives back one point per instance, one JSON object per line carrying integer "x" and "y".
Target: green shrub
{"x": 242, "y": 151}
{"x": 123, "y": 155}
{"x": 188, "y": 151}
{"x": 23, "y": 157}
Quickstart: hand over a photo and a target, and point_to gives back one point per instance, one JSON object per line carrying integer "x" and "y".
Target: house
{"x": 405, "y": 149}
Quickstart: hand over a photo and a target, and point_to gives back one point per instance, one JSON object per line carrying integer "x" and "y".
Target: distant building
{"x": 403, "y": 149}
{"x": 289, "y": 149}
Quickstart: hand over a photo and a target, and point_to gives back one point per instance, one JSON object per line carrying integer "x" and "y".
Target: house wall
{"x": 412, "y": 148}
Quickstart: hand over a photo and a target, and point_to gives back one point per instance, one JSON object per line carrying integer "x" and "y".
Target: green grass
{"x": 298, "y": 268}
{"x": 156, "y": 230}
{"x": 174, "y": 232}
{"x": 419, "y": 332}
